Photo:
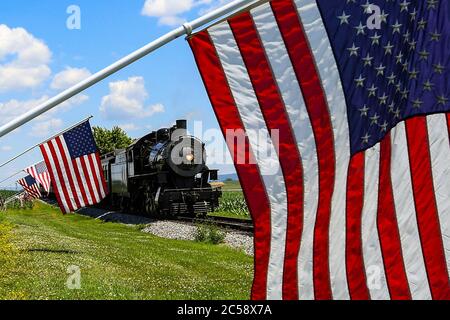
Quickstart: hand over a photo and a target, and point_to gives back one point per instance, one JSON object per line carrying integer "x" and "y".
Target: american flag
{"x": 74, "y": 165}
{"x": 358, "y": 206}
{"x": 31, "y": 186}
{"x": 40, "y": 173}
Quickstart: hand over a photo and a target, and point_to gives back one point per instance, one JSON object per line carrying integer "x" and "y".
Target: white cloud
{"x": 69, "y": 77}
{"x": 170, "y": 12}
{"x": 23, "y": 59}
{"x": 126, "y": 100}
{"x": 5, "y": 148}
{"x": 46, "y": 128}
{"x": 129, "y": 127}
{"x": 13, "y": 108}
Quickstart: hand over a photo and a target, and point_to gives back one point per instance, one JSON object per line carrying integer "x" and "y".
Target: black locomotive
{"x": 162, "y": 174}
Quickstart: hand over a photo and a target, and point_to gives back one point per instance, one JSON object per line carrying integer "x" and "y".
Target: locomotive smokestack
{"x": 181, "y": 129}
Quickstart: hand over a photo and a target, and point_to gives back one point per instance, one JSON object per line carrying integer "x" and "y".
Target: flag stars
{"x": 406, "y": 36}
{"x": 360, "y": 81}
{"x": 383, "y": 99}
{"x": 391, "y": 78}
{"x": 353, "y": 50}
{"x": 435, "y": 36}
{"x": 383, "y": 17}
{"x": 428, "y": 86}
{"x": 404, "y": 6}
{"x": 413, "y": 14}
{"x": 374, "y": 119}
{"x": 365, "y": 139}
{"x": 388, "y": 48}
{"x": 413, "y": 74}
{"x": 396, "y": 27}
{"x": 380, "y": 69}
{"x": 399, "y": 58}
{"x": 405, "y": 94}
{"x": 417, "y": 104}
{"x": 422, "y": 24}
{"x": 364, "y": 111}
{"x": 375, "y": 39}
{"x": 372, "y": 91}
{"x": 391, "y": 107}
{"x": 424, "y": 55}
{"x": 397, "y": 113}
{"x": 367, "y": 60}
{"x": 438, "y": 68}
{"x": 367, "y": 7}
{"x": 431, "y": 4}
{"x": 344, "y": 18}
{"x": 360, "y": 29}
{"x": 442, "y": 100}
{"x": 384, "y": 126}
{"x": 412, "y": 45}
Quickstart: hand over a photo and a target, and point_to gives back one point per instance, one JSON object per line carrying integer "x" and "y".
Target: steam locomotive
{"x": 162, "y": 174}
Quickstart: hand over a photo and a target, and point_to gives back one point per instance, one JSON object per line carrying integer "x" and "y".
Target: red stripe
{"x": 448, "y": 124}
{"x": 52, "y": 176}
{"x": 276, "y": 118}
{"x": 228, "y": 116}
{"x": 310, "y": 83}
{"x": 426, "y": 208}
{"x": 388, "y": 232}
{"x": 96, "y": 178}
{"x": 61, "y": 177}
{"x": 357, "y": 282}
{"x": 88, "y": 179}
{"x": 80, "y": 182}
{"x": 102, "y": 176}
{"x": 69, "y": 176}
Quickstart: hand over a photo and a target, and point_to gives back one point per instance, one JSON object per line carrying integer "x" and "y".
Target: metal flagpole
{"x": 185, "y": 29}
{"x": 37, "y": 145}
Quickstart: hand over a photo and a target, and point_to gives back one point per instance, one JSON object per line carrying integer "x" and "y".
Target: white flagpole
{"x": 185, "y": 29}
{"x": 37, "y": 145}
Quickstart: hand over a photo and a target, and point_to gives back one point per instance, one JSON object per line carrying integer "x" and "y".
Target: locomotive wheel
{"x": 150, "y": 205}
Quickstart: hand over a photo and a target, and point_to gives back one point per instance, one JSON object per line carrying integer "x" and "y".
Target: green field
{"x": 116, "y": 261}
{"x": 232, "y": 203}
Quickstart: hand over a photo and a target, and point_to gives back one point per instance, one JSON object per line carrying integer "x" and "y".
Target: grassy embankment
{"x": 116, "y": 261}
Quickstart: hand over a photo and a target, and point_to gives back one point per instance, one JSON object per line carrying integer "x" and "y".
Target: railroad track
{"x": 224, "y": 222}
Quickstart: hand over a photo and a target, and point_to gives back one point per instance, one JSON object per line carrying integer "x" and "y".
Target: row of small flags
{"x": 71, "y": 167}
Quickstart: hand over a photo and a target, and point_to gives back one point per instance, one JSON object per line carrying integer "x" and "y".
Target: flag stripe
{"x": 249, "y": 109}
{"x": 388, "y": 229}
{"x": 57, "y": 167}
{"x": 62, "y": 154}
{"x": 331, "y": 84}
{"x": 277, "y": 121}
{"x": 94, "y": 176}
{"x": 57, "y": 189}
{"x": 289, "y": 88}
{"x": 440, "y": 155}
{"x": 427, "y": 217}
{"x": 357, "y": 282}
{"x": 87, "y": 189}
{"x": 303, "y": 62}
{"x": 88, "y": 174}
{"x": 100, "y": 173}
{"x": 373, "y": 258}
{"x": 229, "y": 119}
{"x": 406, "y": 216}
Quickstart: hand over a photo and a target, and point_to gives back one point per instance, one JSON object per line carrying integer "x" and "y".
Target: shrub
{"x": 209, "y": 233}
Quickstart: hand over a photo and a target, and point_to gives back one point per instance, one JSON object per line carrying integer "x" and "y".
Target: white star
{"x": 344, "y": 18}
{"x": 353, "y": 50}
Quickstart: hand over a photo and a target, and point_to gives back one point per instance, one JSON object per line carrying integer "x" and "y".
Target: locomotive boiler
{"x": 162, "y": 174}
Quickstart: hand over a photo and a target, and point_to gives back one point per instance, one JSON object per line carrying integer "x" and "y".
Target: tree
{"x": 110, "y": 140}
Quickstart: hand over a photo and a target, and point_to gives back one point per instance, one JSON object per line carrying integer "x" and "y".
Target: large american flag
{"x": 358, "y": 205}
{"x": 40, "y": 173}
{"x": 31, "y": 186}
{"x": 75, "y": 169}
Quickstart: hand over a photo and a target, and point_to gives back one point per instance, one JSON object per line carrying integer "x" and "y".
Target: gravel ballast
{"x": 182, "y": 231}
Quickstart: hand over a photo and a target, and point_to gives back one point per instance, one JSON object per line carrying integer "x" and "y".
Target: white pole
{"x": 122, "y": 63}
{"x": 37, "y": 145}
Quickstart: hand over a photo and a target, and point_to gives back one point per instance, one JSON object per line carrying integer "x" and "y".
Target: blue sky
{"x": 40, "y": 56}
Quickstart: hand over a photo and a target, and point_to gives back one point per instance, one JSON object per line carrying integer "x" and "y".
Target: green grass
{"x": 116, "y": 261}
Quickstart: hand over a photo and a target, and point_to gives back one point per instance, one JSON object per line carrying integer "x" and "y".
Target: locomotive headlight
{"x": 190, "y": 157}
